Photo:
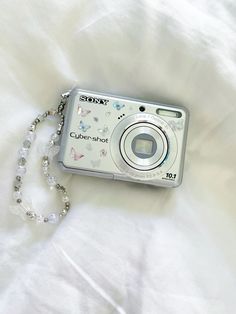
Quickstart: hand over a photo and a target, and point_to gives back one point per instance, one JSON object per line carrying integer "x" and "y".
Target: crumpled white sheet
{"x": 123, "y": 248}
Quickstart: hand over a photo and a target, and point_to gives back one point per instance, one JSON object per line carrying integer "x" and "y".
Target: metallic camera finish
{"x": 98, "y": 133}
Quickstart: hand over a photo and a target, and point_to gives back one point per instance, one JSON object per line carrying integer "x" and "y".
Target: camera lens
{"x": 143, "y": 146}
{"x": 142, "y": 108}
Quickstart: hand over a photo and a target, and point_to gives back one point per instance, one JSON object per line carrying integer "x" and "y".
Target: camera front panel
{"x": 125, "y": 139}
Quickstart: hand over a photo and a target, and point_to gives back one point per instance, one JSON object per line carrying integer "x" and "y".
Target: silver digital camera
{"x": 123, "y": 139}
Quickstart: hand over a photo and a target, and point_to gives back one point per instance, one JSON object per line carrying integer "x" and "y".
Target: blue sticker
{"x": 117, "y": 105}
{"x": 84, "y": 127}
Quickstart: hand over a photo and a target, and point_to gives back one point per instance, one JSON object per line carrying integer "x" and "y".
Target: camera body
{"x": 123, "y": 139}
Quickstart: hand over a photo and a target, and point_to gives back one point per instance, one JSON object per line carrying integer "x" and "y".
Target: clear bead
{"x": 40, "y": 117}
{"x": 65, "y": 199}
{"x": 53, "y": 218}
{"x": 51, "y": 180}
{"x": 17, "y": 195}
{"x": 30, "y": 136}
{"x": 55, "y": 137}
{"x": 20, "y": 171}
{"x": 31, "y": 215}
{"x": 53, "y": 151}
{"x": 39, "y": 219}
{"x": 45, "y": 170}
{"x": 21, "y": 162}
{"x": 27, "y": 144}
{"x": 45, "y": 161}
{"x": 17, "y": 184}
{"x": 50, "y": 143}
{"x": 63, "y": 212}
{"x": 23, "y": 153}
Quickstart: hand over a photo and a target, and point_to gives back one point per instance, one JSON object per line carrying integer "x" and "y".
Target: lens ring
{"x": 143, "y": 163}
{"x": 122, "y": 168}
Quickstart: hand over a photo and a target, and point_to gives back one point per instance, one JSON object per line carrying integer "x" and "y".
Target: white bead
{"x": 53, "y": 218}
{"x": 17, "y": 195}
{"x": 23, "y": 152}
{"x": 55, "y": 137}
{"x": 45, "y": 163}
{"x": 30, "y": 136}
{"x": 31, "y": 215}
{"x": 27, "y": 144}
{"x": 50, "y": 143}
{"x": 65, "y": 199}
{"x": 22, "y": 162}
{"x": 45, "y": 170}
{"x": 39, "y": 219}
{"x": 51, "y": 180}
{"x": 40, "y": 117}
{"x": 53, "y": 151}
{"x": 20, "y": 171}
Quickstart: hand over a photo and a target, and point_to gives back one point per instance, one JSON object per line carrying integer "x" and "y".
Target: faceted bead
{"x": 31, "y": 128}
{"x": 55, "y": 137}
{"x": 63, "y": 212}
{"x": 45, "y": 161}
{"x": 20, "y": 171}
{"x": 17, "y": 195}
{"x": 39, "y": 219}
{"x": 53, "y": 151}
{"x": 26, "y": 144}
{"x": 65, "y": 199}
{"x": 51, "y": 180}
{"x": 30, "y": 136}
{"x": 31, "y": 215}
{"x": 45, "y": 170}
{"x": 50, "y": 143}
{"x": 17, "y": 183}
{"x": 23, "y": 153}
{"x": 53, "y": 218}
{"x": 40, "y": 117}
{"x": 21, "y": 161}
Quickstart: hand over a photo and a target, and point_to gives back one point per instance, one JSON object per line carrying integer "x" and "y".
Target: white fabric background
{"x": 123, "y": 248}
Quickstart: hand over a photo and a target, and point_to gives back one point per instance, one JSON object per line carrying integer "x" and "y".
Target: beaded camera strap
{"x": 22, "y": 207}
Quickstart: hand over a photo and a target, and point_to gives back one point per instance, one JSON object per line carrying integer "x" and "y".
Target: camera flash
{"x": 169, "y": 113}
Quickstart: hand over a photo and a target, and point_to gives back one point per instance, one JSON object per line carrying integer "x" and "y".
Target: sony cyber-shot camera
{"x": 124, "y": 139}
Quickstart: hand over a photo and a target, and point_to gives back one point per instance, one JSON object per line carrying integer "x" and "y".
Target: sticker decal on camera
{"x": 118, "y": 106}
{"x": 82, "y": 112}
{"x": 84, "y": 127}
{"x": 75, "y": 155}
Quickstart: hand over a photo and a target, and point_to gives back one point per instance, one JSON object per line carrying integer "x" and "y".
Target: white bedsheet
{"x": 123, "y": 248}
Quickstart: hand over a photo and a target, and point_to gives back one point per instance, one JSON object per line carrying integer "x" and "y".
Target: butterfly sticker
{"x": 75, "y": 155}
{"x": 82, "y": 112}
{"x": 103, "y": 131}
{"x": 117, "y": 105}
{"x": 84, "y": 127}
{"x": 96, "y": 163}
